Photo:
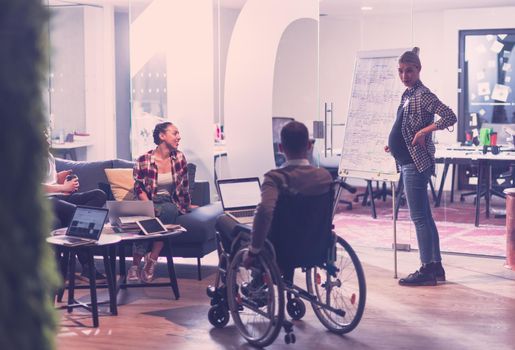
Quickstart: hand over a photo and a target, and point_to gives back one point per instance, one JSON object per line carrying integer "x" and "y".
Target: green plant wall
{"x": 27, "y": 268}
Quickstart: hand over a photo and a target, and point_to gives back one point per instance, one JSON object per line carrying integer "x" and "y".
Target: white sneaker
{"x": 133, "y": 274}
{"x": 147, "y": 274}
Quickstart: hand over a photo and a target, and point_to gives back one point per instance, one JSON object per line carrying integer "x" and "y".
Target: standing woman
{"x": 410, "y": 142}
{"x": 160, "y": 175}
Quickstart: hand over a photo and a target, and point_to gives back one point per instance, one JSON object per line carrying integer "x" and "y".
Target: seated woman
{"x": 160, "y": 175}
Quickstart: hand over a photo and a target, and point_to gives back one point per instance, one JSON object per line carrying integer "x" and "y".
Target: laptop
{"x": 129, "y": 212}
{"x": 240, "y": 198}
{"x": 86, "y": 226}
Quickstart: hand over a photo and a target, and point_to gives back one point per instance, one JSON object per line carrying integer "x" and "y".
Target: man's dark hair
{"x": 294, "y": 137}
{"x": 160, "y": 128}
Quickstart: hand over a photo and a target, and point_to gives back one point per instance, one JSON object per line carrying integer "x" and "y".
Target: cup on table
{"x": 493, "y": 139}
{"x": 484, "y": 136}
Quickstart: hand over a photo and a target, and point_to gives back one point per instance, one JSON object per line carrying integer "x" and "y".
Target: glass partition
{"x": 172, "y": 76}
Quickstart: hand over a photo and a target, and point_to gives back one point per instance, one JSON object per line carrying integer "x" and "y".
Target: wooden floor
{"x": 475, "y": 309}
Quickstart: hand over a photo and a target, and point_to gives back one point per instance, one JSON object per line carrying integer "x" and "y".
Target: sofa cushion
{"x": 121, "y": 183}
{"x": 89, "y": 173}
{"x": 199, "y": 223}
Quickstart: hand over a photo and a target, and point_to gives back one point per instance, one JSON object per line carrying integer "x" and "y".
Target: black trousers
{"x": 64, "y": 206}
{"x": 229, "y": 230}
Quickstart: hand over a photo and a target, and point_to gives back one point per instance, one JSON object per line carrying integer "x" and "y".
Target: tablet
{"x": 151, "y": 226}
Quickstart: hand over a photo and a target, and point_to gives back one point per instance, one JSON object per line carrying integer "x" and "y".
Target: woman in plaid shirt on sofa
{"x": 411, "y": 145}
{"x": 160, "y": 175}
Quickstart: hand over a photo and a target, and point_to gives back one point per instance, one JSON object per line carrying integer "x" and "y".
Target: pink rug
{"x": 456, "y": 237}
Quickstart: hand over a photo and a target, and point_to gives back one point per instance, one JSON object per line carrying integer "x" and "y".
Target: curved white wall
{"x": 249, "y": 81}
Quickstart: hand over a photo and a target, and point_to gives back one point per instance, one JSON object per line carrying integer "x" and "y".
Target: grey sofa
{"x": 199, "y": 239}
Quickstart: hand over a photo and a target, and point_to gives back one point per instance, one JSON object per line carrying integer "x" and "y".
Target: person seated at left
{"x": 64, "y": 197}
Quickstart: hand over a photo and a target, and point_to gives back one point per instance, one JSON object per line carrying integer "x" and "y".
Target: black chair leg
{"x": 63, "y": 265}
{"x": 93, "y": 287}
{"x": 171, "y": 270}
{"x": 369, "y": 186}
{"x": 111, "y": 283}
{"x": 121, "y": 265}
{"x": 71, "y": 281}
{"x": 199, "y": 269}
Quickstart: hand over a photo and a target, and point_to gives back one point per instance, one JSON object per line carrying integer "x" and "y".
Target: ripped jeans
{"x": 167, "y": 212}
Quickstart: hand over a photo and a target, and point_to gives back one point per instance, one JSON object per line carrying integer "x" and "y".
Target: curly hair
{"x": 160, "y": 129}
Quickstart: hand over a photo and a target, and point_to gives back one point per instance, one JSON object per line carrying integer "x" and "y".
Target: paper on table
{"x": 506, "y": 67}
{"x": 473, "y": 119}
{"x": 507, "y": 79}
{"x": 500, "y": 92}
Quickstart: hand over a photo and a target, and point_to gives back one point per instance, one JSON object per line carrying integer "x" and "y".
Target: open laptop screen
{"x": 87, "y": 222}
{"x": 239, "y": 193}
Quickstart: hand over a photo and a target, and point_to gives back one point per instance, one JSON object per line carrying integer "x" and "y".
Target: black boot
{"x": 423, "y": 277}
{"x": 438, "y": 271}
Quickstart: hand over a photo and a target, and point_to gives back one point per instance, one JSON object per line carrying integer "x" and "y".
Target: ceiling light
{"x": 367, "y": 8}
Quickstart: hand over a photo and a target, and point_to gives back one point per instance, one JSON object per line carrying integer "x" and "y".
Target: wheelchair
{"x": 258, "y": 296}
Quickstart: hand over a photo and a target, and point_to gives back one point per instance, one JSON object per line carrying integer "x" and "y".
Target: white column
{"x": 249, "y": 81}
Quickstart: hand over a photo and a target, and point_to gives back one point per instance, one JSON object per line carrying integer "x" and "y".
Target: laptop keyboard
{"x": 243, "y": 213}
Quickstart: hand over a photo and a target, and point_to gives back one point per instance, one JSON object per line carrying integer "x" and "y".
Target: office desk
{"x": 466, "y": 155}
{"x": 68, "y": 148}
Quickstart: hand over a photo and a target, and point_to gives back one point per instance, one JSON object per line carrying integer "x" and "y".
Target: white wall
{"x": 249, "y": 80}
{"x": 295, "y": 90}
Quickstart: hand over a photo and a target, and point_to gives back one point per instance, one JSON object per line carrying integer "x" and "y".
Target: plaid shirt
{"x": 418, "y": 113}
{"x": 145, "y": 178}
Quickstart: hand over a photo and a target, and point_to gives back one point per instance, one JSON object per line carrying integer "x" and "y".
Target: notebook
{"x": 86, "y": 226}
{"x": 240, "y": 198}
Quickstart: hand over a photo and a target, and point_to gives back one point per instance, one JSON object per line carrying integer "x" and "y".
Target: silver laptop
{"x": 123, "y": 212}
{"x": 86, "y": 226}
{"x": 240, "y": 198}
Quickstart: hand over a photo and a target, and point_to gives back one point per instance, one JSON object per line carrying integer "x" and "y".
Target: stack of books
{"x": 128, "y": 223}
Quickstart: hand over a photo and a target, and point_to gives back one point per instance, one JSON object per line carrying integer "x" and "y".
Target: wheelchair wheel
{"x": 256, "y": 299}
{"x": 341, "y": 286}
{"x": 218, "y": 316}
{"x": 296, "y": 308}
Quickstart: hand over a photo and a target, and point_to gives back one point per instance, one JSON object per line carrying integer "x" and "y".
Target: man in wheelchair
{"x": 280, "y": 205}
{"x": 292, "y": 228}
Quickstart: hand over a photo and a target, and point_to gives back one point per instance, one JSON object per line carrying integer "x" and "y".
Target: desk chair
{"x": 507, "y": 175}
